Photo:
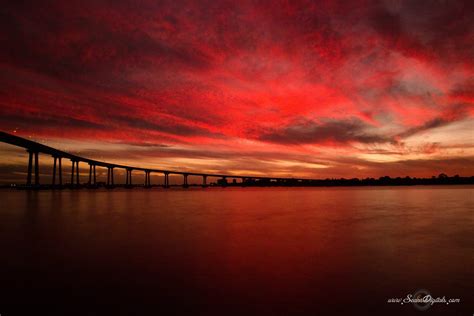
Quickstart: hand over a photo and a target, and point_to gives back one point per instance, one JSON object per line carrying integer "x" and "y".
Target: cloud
{"x": 426, "y": 29}
{"x": 437, "y": 122}
{"x": 450, "y": 115}
{"x": 165, "y": 126}
{"x": 310, "y": 132}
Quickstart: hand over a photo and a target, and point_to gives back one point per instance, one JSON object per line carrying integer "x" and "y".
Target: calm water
{"x": 258, "y": 251}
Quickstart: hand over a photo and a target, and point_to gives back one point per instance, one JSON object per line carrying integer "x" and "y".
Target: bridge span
{"x": 33, "y": 177}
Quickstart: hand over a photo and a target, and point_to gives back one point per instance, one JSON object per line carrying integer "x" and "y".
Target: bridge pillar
{"x": 54, "y": 170}
{"x": 110, "y": 176}
{"x": 36, "y": 169}
{"x": 147, "y": 179}
{"x": 185, "y": 180}
{"x": 167, "y": 180}
{"x": 32, "y": 153}
{"x": 77, "y": 173}
{"x": 204, "y": 181}
{"x": 30, "y": 167}
{"x": 128, "y": 180}
{"x": 95, "y": 178}
{"x": 90, "y": 174}
{"x": 72, "y": 171}
{"x": 60, "y": 173}
{"x": 224, "y": 181}
{"x": 57, "y": 170}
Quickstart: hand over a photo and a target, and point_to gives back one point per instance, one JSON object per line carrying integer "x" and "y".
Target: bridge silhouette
{"x": 33, "y": 180}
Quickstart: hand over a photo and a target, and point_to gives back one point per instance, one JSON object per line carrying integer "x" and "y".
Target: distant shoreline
{"x": 442, "y": 179}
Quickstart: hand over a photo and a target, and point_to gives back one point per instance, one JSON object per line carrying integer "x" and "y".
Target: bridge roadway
{"x": 35, "y": 148}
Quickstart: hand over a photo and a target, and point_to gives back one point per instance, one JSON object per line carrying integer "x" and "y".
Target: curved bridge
{"x": 33, "y": 181}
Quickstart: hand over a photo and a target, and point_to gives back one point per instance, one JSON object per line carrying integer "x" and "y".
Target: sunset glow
{"x": 309, "y": 89}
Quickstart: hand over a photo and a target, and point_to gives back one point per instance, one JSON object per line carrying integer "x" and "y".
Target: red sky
{"x": 313, "y": 89}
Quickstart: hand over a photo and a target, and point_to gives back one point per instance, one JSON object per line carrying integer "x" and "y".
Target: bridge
{"x": 33, "y": 180}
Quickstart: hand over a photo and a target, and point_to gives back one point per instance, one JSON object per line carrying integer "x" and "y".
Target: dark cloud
{"x": 464, "y": 90}
{"x": 23, "y": 122}
{"x": 423, "y": 29}
{"x": 387, "y": 23}
{"x": 79, "y": 43}
{"x": 437, "y": 122}
{"x": 310, "y": 132}
{"x": 164, "y": 126}
{"x": 452, "y": 114}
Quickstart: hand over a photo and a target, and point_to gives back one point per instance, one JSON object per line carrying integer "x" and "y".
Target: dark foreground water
{"x": 243, "y": 251}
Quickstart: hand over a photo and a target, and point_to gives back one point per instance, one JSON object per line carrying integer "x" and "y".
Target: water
{"x": 243, "y": 251}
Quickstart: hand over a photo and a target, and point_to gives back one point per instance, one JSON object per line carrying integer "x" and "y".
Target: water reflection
{"x": 241, "y": 251}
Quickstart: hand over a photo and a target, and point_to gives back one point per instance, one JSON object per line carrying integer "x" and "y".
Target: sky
{"x": 313, "y": 89}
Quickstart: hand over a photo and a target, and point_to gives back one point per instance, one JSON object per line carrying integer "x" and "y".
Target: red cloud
{"x": 233, "y": 73}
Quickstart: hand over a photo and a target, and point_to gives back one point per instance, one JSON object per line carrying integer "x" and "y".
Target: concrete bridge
{"x": 34, "y": 149}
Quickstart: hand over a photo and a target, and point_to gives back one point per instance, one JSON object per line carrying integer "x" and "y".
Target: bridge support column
{"x": 167, "y": 180}
{"x": 95, "y": 178}
{"x": 30, "y": 167}
{"x": 57, "y": 170}
{"x": 29, "y": 176}
{"x": 128, "y": 181}
{"x": 147, "y": 179}
{"x": 36, "y": 169}
{"x": 90, "y": 174}
{"x": 54, "y": 170}
{"x": 224, "y": 181}
{"x": 72, "y": 171}
{"x": 204, "y": 181}
{"x": 60, "y": 173}
{"x": 110, "y": 176}
{"x": 185, "y": 181}
{"x": 77, "y": 173}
